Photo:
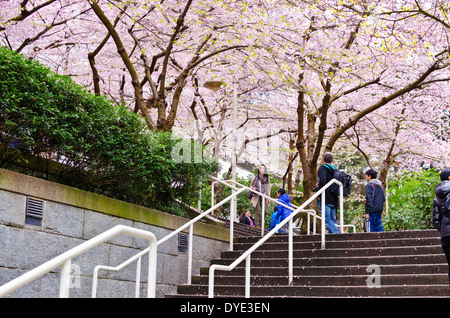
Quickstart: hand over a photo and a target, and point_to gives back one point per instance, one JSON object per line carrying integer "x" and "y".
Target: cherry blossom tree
{"x": 317, "y": 75}
{"x": 144, "y": 52}
{"x": 345, "y": 64}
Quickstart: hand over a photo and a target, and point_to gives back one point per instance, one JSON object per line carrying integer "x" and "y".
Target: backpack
{"x": 343, "y": 178}
{"x": 446, "y": 206}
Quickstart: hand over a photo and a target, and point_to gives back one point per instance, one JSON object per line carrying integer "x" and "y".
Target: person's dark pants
{"x": 446, "y": 248}
{"x": 376, "y": 225}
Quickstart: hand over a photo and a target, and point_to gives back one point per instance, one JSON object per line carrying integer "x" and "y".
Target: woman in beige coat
{"x": 260, "y": 183}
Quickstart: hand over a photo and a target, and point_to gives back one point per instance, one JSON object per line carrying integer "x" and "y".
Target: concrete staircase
{"x": 409, "y": 264}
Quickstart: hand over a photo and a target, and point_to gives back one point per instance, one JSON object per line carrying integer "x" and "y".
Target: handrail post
{"x": 322, "y": 234}
{"x": 211, "y": 281}
{"x": 315, "y": 224}
{"x": 247, "y": 276}
{"x": 341, "y": 207}
{"x": 152, "y": 263}
{"x": 291, "y": 252}
{"x": 212, "y": 192}
{"x": 232, "y": 216}
{"x": 64, "y": 286}
{"x": 138, "y": 278}
{"x": 263, "y": 214}
{"x": 191, "y": 238}
{"x": 308, "y": 224}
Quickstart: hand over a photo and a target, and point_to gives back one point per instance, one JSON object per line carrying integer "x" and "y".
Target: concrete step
{"x": 346, "y": 236}
{"x": 328, "y": 280}
{"x": 407, "y": 269}
{"x": 302, "y": 245}
{"x": 341, "y": 261}
{"x": 337, "y": 252}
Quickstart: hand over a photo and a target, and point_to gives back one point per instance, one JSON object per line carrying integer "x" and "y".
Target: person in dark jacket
{"x": 246, "y": 218}
{"x": 324, "y": 175}
{"x": 441, "y": 213}
{"x": 282, "y": 211}
{"x": 374, "y": 201}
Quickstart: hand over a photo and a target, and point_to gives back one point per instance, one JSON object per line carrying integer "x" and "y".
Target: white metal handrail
{"x": 65, "y": 261}
{"x": 246, "y": 255}
{"x": 309, "y": 212}
{"x": 301, "y": 209}
{"x": 190, "y": 240}
{"x": 138, "y": 256}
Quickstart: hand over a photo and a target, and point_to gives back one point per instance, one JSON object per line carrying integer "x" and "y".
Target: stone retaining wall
{"x": 72, "y": 216}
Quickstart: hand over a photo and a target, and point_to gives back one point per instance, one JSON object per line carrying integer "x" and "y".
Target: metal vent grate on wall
{"x": 182, "y": 242}
{"x": 34, "y": 211}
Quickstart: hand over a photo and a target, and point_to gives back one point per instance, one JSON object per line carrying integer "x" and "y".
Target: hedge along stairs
{"x": 389, "y": 264}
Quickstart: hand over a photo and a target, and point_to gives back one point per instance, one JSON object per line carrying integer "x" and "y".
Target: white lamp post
{"x": 215, "y": 86}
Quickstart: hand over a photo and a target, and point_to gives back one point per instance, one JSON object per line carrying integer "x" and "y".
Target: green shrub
{"x": 410, "y": 199}
{"x": 100, "y": 146}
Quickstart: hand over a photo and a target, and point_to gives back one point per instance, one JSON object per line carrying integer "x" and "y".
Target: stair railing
{"x": 301, "y": 208}
{"x": 65, "y": 262}
{"x": 138, "y": 256}
{"x": 189, "y": 225}
{"x": 246, "y": 255}
{"x": 64, "y": 259}
{"x": 309, "y": 212}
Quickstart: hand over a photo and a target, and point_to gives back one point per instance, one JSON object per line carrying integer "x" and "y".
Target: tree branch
{"x": 339, "y": 131}
{"x": 126, "y": 60}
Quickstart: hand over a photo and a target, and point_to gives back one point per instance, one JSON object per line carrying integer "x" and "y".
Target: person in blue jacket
{"x": 283, "y": 212}
{"x": 275, "y": 220}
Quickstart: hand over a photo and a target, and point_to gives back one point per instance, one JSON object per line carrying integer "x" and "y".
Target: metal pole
{"x": 64, "y": 285}
{"x": 263, "y": 214}
{"x": 309, "y": 216}
{"x": 138, "y": 278}
{"x": 152, "y": 264}
{"x": 191, "y": 238}
{"x": 233, "y": 203}
{"x": 247, "y": 276}
{"x": 213, "y": 184}
{"x": 291, "y": 252}
{"x": 199, "y": 202}
{"x": 322, "y": 234}
{"x": 341, "y": 208}
{"x": 232, "y": 214}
